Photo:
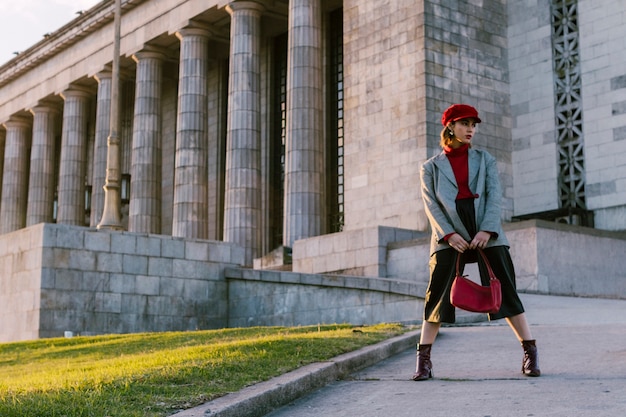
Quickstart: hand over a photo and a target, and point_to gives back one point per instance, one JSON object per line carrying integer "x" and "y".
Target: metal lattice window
{"x": 336, "y": 131}
{"x": 568, "y": 103}
{"x": 277, "y": 145}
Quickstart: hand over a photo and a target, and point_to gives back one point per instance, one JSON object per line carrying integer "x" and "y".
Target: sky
{"x": 24, "y": 22}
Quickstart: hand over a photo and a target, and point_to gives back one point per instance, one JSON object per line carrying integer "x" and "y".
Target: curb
{"x": 262, "y": 398}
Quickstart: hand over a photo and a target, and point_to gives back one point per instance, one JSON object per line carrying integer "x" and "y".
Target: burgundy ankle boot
{"x": 530, "y": 363}
{"x": 424, "y": 367}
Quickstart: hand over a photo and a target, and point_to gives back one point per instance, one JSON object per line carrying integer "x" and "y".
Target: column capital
{"x": 17, "y": 121}
{"x": 105, "y": 73}
{"x": 237, "y": 5}
{"x": 46, "y": 106}
{"x": 194, "y": 29}
{"x": 150, "y": 52}
{"x": 77, "y": 91}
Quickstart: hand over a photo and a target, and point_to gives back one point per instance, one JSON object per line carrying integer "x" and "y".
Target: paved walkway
{"x": 582, "y": 354}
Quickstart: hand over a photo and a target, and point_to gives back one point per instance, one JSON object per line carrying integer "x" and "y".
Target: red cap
{"x": 457, "y": 112}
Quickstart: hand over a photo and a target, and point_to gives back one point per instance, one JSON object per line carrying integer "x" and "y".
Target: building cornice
{"x": 86, "y": 23}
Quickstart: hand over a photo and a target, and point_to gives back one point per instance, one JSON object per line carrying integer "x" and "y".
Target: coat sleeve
{"x": 440, "y": 224}
{"x": 490, "y": 220}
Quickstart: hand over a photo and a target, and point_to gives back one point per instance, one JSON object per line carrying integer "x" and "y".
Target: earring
{"x": 451, "y": 133}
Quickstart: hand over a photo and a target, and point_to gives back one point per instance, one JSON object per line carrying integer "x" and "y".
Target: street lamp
{"x": 111, "y": 216}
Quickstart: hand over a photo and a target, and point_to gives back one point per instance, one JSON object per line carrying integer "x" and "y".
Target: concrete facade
{"x": 604, "y": 89}
{"x": 293, "y": 132}
{"x": 603, "y": 94}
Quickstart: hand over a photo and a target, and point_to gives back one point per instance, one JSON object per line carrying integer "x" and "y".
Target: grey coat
{"x": 439, "y": 191}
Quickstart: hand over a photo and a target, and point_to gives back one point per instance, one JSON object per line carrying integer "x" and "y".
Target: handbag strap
{"x": 482, "y": 254}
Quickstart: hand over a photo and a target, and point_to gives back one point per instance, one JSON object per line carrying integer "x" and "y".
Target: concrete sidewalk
{"x": 582, "y": 354}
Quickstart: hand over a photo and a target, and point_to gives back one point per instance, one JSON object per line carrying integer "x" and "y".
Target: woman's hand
{"x": 480, "y": 240}
{"x": 457, "y": 242}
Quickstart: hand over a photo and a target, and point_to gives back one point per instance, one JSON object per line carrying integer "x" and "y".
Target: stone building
{"x": 301, "y": 124}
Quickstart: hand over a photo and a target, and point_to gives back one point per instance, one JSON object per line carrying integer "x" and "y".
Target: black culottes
{"x": 437, "y": 307}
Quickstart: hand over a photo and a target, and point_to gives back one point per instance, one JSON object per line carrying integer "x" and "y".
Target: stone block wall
{"x": 408, "y": 260}
{"x": 384, "y": 114}
{"x": 558, "y": 259}
{"x": 601, "y": 30}
{"x": 20, "y": 283}
{"x": 532, "y": 107}
{"x": 65, "y": 278}
{"x": 59, "y": 278}
{"x": 360, "y": 252}
{"x": 274, "y": 298}
{"x": 603, "y": 74}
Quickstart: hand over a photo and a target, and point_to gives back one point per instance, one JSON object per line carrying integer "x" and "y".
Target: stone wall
{"x": 65, "y": 278}
{"x": 58, "y": 278}
{"x": 532, "y": 104}
{"x": 20, "y": 283}
{"x": 384, "y": 114}
{"x": 273, "y": 298}
{"x": 558, "y": 259}
{"x": 601, "y": 29}
{"x": 603, "y": 72}
{"x": 360, "y": 252}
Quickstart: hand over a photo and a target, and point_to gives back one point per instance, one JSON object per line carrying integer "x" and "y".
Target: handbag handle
{"x": 482, "y": 254}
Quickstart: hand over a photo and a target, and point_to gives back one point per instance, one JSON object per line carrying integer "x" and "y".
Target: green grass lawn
{"x": 158, "y": 374}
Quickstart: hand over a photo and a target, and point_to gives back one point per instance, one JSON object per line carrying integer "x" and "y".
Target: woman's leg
{"x": 424, "y": 366}
{"x": 530, "y": 362}
{"x": 429, "y": 332}
{"x": 520, "y": 327}
{"x": 437, "y": 308}
{"x": 512, "y": 309}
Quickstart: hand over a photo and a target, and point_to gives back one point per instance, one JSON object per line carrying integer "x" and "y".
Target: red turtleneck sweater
{"x": 460, "y": 166}
{"x": 459, "y": 160}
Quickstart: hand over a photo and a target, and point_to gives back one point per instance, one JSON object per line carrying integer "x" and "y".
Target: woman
{"x": 462, "y": 197}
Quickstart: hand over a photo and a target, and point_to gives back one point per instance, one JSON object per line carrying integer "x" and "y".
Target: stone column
{"x": 103, "y": 122}
{"x": 242, "y": 204}
{"x": 145, "y": 175}
{"x": 15, "y": 176}
{"x": 41, "y": 185}
{"x": 304, "y": 146}
{"x": 190, "y": 212}
{"x": 3, "y": 137}
{"x": 71, "y": 197}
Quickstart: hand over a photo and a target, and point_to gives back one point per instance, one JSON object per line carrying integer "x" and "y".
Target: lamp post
{"x": 111, "y": 215}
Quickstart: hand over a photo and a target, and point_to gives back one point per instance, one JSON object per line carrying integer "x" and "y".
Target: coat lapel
{"x": 474, "y": 166}
{"x": 445, "y": 168}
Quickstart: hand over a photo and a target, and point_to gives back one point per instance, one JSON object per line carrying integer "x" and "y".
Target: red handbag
{"x": 470, "y": 296}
